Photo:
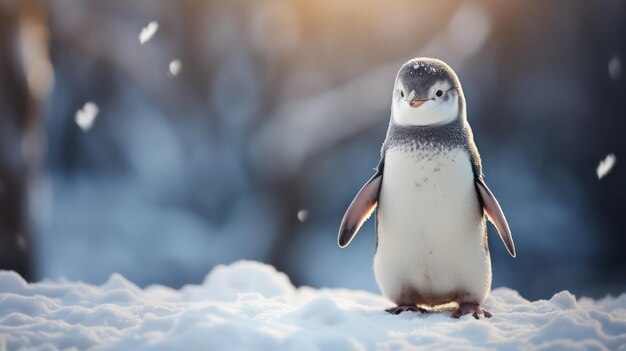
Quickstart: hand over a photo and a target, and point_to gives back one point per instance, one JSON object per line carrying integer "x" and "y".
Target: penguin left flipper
{"x": 495, "y": 214}
{"x": 361, "y": 208}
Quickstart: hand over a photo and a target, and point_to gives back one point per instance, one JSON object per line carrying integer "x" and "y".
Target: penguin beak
{"x": 417, "y": 102}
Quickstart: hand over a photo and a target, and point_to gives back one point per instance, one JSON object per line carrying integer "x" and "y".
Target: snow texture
{"x": 175, "y": 67}
{"x": 605, "y": 165}
{"x": 86, "y": 116}
{"x": 148, "y": 31}
{"x": 250, "y": 306}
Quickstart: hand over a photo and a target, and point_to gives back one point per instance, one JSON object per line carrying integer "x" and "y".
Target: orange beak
{"x": 417, "y": 102}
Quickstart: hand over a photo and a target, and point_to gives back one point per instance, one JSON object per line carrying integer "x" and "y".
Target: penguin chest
{"x": 431, "y": 231}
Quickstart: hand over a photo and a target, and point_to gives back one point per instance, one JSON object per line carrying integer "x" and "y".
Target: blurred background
{"x": 253, "y": 143}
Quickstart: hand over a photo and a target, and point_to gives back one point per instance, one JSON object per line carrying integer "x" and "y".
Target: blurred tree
{"x": 25, "y": 79}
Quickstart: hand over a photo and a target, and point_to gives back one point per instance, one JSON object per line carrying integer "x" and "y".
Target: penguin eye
{"x": 401, "y": 93}
{"x": 439, "y": 93}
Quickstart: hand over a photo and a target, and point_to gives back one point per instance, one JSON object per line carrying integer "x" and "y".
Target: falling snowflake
{"x": 148, "y": 31}
{"x": 175, "y": 67}
{"x": 86, "y": 116}
{"x": 605, "y": 165}
{"x": 21, "y": 242}
{"x": 303, "y": 215}
{"x": 615, "y": 67}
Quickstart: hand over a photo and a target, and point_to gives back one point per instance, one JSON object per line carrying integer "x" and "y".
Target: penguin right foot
{"x": 404, "y": 308}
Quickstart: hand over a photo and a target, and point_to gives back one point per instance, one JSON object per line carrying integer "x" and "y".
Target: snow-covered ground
{"x": 251, "y": 306}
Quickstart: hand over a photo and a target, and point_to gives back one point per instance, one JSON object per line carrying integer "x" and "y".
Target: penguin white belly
{"x": 431, "y": 231}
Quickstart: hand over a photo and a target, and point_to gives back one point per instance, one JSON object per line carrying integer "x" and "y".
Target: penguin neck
{"x": 448, "y": 135}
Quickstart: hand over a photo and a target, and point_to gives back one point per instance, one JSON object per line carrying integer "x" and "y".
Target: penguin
{"x": 430, "y": 198}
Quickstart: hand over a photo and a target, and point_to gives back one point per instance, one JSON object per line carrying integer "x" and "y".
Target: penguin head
{"x": 427, "y": 92}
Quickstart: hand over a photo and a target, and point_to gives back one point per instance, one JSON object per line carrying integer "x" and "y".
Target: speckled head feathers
{"x": 427, "y": 92}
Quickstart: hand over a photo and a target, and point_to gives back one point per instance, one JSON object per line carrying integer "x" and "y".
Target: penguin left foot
{"x": 404, "y": 308}
{"x": 474, "y": 308}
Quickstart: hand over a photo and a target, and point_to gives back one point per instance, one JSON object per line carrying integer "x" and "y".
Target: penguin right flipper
{"x": 361, "y": 208}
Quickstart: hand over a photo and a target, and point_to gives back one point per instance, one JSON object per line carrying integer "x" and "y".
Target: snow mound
{"x": 229, "y": 283}
{"x": 249, "y": 305}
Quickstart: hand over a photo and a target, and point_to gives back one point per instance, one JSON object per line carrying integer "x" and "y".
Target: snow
{"x": 175, "y": 67}
{"x": 303, "y": 214}
{"x": 605, "y": 166}
{"x": 86, "y": 116}
{"x": 249, "y": 305}
{"x": 148, "y": 31}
